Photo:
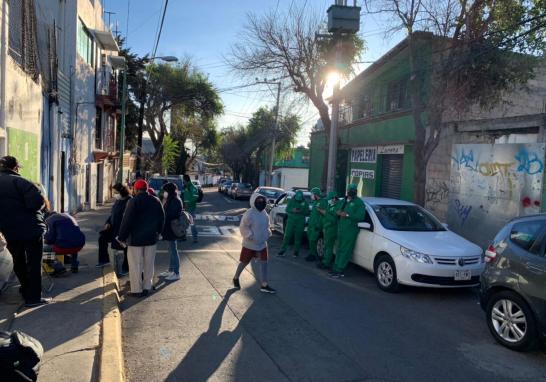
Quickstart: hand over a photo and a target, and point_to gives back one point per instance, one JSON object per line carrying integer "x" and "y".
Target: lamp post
{"x": 142, "y": 100}
{"x": 122, "y": 128}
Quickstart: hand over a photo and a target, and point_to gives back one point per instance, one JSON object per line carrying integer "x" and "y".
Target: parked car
{"x": 225, "y": 186}
{"x": 402, "y": 243}
{"x": 230, "y": 189}
{"x": 157, "y": 182}
{"x": 271, "y": 193}
{"x": 242, "y": 190}
{"x": 513, "y": 285}
{"x": 277, "y": 213}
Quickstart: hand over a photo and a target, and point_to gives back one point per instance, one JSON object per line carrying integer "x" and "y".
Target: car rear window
{"x": 524, "y": 234}
{"x": 245, "y": 185}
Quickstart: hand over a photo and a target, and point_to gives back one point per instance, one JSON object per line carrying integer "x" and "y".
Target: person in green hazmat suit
{"x": 297, "y": 209}
{"x": 351, "y": 212}
{"x": 329, "y": 227}
{"x": 314, "y": 226}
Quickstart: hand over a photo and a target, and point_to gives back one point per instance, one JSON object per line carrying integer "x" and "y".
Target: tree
{"x": 285, "y": 46}
{"x": 481, "y": 49}
{"x": 171, "y": 151}
{"x": 179, "y": 91}
{"x": 244, "y": 148}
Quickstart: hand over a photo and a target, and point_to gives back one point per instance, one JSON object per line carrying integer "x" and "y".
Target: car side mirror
{"x": 364, "y": 225}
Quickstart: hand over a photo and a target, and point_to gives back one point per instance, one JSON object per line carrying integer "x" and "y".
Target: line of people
{"x": 335, "y": 219}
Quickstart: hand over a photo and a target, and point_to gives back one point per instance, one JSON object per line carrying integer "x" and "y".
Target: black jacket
{"x": 115, "y": 218}
{"x": 143, "y": 221}
{"x": 21, "y": 204}
{"x": 173, "y": 209}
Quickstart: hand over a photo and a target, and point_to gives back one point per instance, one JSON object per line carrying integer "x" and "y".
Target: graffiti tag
{"x": 494, "y": 168}
{"x": 463, "y": 211}
{"x": 529, "y": 163}
{"x": 437, "y": 192}
{"x": 464, "y": 159}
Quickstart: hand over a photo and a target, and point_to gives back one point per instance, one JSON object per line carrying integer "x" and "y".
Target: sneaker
{"x": 42, "y": 301}
{"x": 145, "y": 293}
{"x": 267, "y": 289}
{"x": 172, "y": 277}
{"x": 165, "y": 274}
{"x": 311, "y": 258}
{"x": 281, "y": 253}
{"x": 101, "y": 265}
{"x": 236, "y": 284}
{"x": 337, "y": 275}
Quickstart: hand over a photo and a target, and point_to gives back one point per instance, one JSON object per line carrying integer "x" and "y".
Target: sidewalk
{"x": 70, "y": 327}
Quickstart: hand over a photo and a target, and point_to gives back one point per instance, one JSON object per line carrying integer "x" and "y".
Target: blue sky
{"x": 205, "y": 30}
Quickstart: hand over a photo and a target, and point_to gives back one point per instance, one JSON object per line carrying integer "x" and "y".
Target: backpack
{"x": 180, "y": 226}
{"x": 20, "y": 356}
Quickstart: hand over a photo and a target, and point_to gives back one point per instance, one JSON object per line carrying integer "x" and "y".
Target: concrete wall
{"x": 287, "y": 178}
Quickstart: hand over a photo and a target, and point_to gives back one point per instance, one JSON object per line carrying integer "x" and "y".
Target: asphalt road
{"x": 313, "y": 329}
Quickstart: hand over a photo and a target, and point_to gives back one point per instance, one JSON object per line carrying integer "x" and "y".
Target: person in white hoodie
{"x": 255, "y": 231}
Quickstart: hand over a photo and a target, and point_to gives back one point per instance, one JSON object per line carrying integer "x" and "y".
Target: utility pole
{"x": 332, "y": 143}
{"x": 273, "y": 143}
{"x": 122, "y": 129}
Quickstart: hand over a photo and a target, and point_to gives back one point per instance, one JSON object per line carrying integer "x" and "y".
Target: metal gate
{"x": 391, "y": 176}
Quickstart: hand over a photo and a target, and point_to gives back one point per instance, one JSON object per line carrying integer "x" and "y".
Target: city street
{"x": 314, "y": 329}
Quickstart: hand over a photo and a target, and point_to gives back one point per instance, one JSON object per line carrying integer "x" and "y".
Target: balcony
{"x": 107, "y": 93}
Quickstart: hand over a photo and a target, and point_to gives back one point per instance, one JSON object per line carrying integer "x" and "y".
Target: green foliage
{"x": 170, "y": 151}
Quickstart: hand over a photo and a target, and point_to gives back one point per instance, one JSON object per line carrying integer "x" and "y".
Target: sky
{"x": 205, "y": 31}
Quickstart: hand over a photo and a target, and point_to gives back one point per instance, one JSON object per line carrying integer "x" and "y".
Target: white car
{"x": 277, "y": 214}
{"x": 402, "y": 243}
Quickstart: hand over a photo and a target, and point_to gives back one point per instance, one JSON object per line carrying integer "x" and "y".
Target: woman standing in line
{"x": 172, "y": 204}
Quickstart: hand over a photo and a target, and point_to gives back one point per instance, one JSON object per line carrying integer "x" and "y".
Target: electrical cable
{"x": 160, "y": 28}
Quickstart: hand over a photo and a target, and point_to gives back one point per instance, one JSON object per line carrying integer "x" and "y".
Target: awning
{"x": 106, "y": 40}
{"x": 117, "y": 62}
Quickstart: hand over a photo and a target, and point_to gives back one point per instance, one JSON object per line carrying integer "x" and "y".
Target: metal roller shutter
{"x": 391, "y": 176}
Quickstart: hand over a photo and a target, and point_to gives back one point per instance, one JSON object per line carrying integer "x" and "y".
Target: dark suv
{"x": 513, "y": 284}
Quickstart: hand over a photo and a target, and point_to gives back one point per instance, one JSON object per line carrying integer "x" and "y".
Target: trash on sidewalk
{"x": 20, "y": 356}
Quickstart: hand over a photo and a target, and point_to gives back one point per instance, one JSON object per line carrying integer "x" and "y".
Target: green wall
{"x": 24, "y": 146}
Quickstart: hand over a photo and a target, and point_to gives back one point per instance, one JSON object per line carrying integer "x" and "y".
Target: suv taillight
{"x": 490, "y": 254}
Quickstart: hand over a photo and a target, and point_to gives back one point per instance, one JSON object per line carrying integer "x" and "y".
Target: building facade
{"x": 376, "y": 147}
{"x": 59, "y": 100}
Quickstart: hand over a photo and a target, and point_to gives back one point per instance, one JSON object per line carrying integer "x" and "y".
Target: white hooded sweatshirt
{"x": 254, "y": 227}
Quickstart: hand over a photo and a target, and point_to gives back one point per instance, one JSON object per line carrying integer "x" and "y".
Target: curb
{"x": 111, "y": 364}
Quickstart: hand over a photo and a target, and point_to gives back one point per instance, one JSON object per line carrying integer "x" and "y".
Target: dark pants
{"x": 105, "y": 237}
{"x": 27, "y": 265}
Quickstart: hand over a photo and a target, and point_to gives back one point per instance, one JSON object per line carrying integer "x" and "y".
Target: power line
{"x": 160, "y": 28}
{"x": 127, "y": 24}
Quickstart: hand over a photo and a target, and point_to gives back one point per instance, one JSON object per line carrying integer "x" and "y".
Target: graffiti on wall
{"x": 437, "y": 191}
{"x": 491, "y": 184}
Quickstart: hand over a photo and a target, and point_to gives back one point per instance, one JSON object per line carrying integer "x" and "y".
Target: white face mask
{"x": 165, "y": 195}
{"x": 117, "y": 196}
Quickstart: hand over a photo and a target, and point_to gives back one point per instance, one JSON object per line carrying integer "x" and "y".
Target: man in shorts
{"x": 255, "y": 231}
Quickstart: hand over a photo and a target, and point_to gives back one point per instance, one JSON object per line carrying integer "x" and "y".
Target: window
{"x": 22, "y": 36}
{"x": 85, "y": 43}
{"x": 407, "y": 218}
{"x": 397, "y": 95}
{"x": 525, "y": 234}
{"x": 98, "y": 129}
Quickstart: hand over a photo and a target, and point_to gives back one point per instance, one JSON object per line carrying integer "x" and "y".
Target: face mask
{"x": 117, "y": 196}
{"x": 331, "y": 202}
{"x": 165, "y": 195}
{"x": 260, "y": 205}
{"x": 351, "y": 193}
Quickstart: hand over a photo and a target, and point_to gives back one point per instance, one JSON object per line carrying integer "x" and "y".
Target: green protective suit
{"x": 190, "y": 196}
{"x": 329, "y": 227}
{"x": 347, "y": 231}
{"x": 314, "y": 226}
{"x": 297, "y": 209}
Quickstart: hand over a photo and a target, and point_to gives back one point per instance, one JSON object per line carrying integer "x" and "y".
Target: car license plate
{"x": 462, "y": 275}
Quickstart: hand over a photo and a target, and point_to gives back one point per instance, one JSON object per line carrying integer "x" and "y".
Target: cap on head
{"x": 299, "y": 195}
{"x": 332, "y": 195}
{"x": 141, "y": 185}
{"x": 315, "y": 191}
{"x": 9, "y": 162}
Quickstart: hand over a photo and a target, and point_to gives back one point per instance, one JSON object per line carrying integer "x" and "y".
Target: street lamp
{"x": 141, "y": 109}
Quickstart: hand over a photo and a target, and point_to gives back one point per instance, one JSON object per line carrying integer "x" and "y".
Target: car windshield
{"x": 407, "y": 218}
{"x": 269, "y": 193}
{"x": 157, "y": 183}
{"x": 244, "y": 185}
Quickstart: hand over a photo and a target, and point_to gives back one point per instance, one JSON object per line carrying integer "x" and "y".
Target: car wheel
{"x": 385, "y": 274}
{"x": 511, "y": 321}
{"x": 320, "y": 247}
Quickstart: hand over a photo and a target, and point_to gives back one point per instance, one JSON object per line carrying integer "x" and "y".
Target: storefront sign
{"x": 391, "y": 149}
{"x": 364, "y": 174}
{"x": 364, "y": 154}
